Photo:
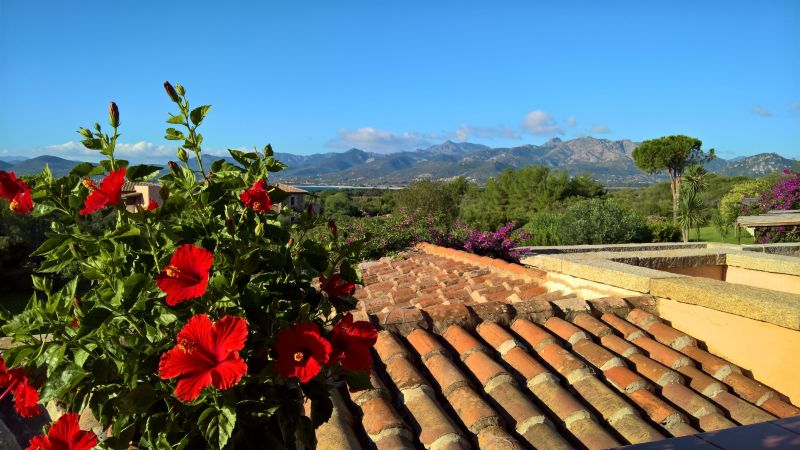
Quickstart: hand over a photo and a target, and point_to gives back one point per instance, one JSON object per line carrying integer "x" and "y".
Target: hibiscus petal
{"x": 111, "y": 186}
{"x": 95, "y": 201}
{"x": 26, "y": 399}
{"x": 357, "y": 358}
{"x": 83, "y": 440}
{"x": 197, "y": 259}
{"x": 189, "y": 387}
{"x": 178, "y": 291}
{"x": 39, "y": 442}
{"x": 229, "y": 372}
{"x": 228, "y": 334}
{"x": 176, "y": 362}
{"x": 64, "y": 428}
{"x": 320, "y": 348}
{"x": 198, "y": 331}
{"x": 308, "y": 370}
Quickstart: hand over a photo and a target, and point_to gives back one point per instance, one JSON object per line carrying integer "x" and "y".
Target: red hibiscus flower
{"x": 351, "y": 343}
{"x": 26, "y": 397}
{"x": 152, "y": 205}
{"x": 16, "y": 192}
{"x": 65, "y": 434}
{"x": 301, "y": 351}
{"x": 186, "y": 276}
{"x": 257, "y": 197}
{"x": 109, "y": 192}
{"x": 206, "y": 354}
{"x": 335, "y": 286}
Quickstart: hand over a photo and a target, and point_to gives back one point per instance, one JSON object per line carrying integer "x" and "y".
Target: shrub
{"x": 228, "y": 356}
{"x": 663, "y": 229}
{"x": 543, "y": 229}
{"x": 598, "y": 221}
{"x": 496, "y": 244}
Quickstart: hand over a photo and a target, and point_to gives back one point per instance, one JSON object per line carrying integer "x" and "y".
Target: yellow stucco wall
{"x": 770, "y": 352}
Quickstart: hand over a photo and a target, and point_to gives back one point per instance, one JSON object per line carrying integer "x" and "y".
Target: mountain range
{"x": 608, "y": 161}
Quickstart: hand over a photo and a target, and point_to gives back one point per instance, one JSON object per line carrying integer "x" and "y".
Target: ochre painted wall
{"x": 770, "y": 352}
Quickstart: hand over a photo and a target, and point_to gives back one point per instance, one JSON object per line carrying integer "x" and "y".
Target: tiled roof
{"x": 289, "y": 189}
{"x": 475, "y": 353}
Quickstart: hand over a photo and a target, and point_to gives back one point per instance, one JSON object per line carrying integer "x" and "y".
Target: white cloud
{"x": 761, "y": 111}
{"x": 599, "y": 129}
{"x": 541, "y": 123}
{"x": 571, "y": 121}
{"x": 465, "y": 132}
{"x": 381, "y": 141}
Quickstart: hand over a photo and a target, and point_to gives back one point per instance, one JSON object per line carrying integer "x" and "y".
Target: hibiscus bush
{"x": 201, "y": 321}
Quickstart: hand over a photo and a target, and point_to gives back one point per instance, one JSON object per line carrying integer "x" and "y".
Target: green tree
{"x": 517, "y": 195}
{"x": 673, "y": 154}
{"x": 429, "y": 198}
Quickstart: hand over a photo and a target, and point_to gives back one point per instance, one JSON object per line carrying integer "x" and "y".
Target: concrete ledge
{"x": 788, "y": 265}
{"x": 788, "y": 249}
{"x": 614, "y": 273}
{"x": 778, "y": 308}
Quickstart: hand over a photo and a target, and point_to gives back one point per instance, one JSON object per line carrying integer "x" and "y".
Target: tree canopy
{"x": 673, "y": 154}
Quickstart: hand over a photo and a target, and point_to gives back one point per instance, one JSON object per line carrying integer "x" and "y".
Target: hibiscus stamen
{"x": 89, "y": 184}
{"x": 172, "y": 271}
{"x": 186, "y": 346}
{"x": 14, "y": 205}
{"x": 299, "y": 356}
{"x": 257, "y": 205}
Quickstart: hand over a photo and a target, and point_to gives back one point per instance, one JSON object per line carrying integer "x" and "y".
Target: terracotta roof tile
{"x": 477, "y": 353}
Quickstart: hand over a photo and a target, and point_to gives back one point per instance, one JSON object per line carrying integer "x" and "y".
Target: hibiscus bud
{"x": 182, "y": 154}
{"x": 173, "y": 166}
{"x": 290, "y": 243}
{"x": 76, "y": 302}
{"x": 180, "y": 89}
{"x": 332, "y": 227}
{"x": 260, "y": 229}
{"x": 113, "y": 115}
{"x": 171, "y": 92}
{"x": 85, "y": 132}
{"x": 310, "y": 209}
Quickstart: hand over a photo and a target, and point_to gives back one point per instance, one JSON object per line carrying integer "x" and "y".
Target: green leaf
{"x": 44, "y": 284}
{"x": 178, "y": 120}
{"x": 92, "y": 144}
{"x": 243, "y": 158}
{"x": 137, "y": 400}
{"x": 49, "y": 245}
{"x": 358, "y": 381}
{"x": 61, "y": 381}
{"x": 321, "y": 410}
{"x": 82, "y": 169}
{"x": 216, "y": 424}
{"x": 174, "y": 135}
{"x": 198, "y": 114}
{"x": 143, "y": 172}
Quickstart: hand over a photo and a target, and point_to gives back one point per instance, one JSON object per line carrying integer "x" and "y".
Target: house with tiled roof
{"x": 139, "y": 194}
{"x": 674, "y": 346}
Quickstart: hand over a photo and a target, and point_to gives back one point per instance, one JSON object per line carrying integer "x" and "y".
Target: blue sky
{"x": 387, "y": 76}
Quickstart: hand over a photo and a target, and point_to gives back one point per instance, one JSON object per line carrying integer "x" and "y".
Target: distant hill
{"x": 59, "y": 166}
{"x": 5, "y": 165}
{"x": 752, "y": 166}
{"x": 608, "y": 161}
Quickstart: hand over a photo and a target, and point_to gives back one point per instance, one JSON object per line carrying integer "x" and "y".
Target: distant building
{"x": 139, "y": 194}
{"x": 296, "y": 199}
